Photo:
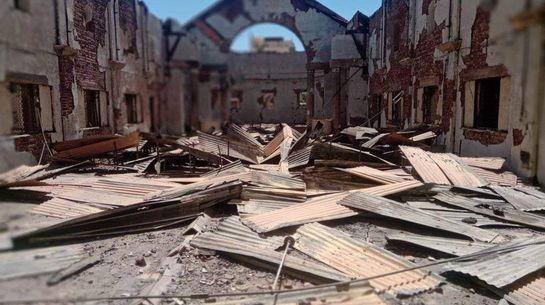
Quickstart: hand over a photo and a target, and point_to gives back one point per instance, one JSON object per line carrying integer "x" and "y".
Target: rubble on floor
{"x": 241, "y": 194}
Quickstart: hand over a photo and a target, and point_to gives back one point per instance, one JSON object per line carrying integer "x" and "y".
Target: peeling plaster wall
{"x": 519, "y": 52}
{"x": 114, "y": 47}
{"x": 118, "y": 52}
{"x": 26, "y": 55}
{"x": 428, "y": 56}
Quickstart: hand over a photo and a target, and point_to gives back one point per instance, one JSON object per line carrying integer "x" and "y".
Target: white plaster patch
{"x": 442, "y": 11}
{"x": 469, "y": 14}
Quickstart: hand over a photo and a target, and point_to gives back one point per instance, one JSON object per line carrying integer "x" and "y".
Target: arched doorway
{"x": 211, "y": 34}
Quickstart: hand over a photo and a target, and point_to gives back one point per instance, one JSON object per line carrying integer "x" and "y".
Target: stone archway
{"x": 207, "y": 39}
{"x": 213, "y": 30}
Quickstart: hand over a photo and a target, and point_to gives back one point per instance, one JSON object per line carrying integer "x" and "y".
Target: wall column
{"x": 194, "y": 108}
{"x": 310, "y": 95}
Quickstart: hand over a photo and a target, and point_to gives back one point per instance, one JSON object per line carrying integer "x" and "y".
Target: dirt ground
{"x": 119, "y": 274}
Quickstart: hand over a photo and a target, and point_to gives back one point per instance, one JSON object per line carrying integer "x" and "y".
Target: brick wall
{"x": 83, "y": 68}
{"x": 33, "y": 144}
{"x": 90, "y": 35}
{"x": 67, "y": 78}
{"x": 128, "y": 23}
{"x": 398, "y": 77}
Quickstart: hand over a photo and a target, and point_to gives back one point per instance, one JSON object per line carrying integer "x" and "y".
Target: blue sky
{"x": 183, "y": 10}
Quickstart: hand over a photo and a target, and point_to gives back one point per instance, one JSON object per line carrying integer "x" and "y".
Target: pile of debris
{"x": 278, "y": 198}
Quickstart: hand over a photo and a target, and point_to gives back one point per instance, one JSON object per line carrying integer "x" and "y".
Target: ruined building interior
{"x": 110, "y": 114}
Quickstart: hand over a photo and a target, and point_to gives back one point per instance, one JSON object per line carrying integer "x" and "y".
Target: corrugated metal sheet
{"x": 222, "y": 146}
{"x": 38, "y": 261}
{"x": 76, "y": 196}
{"x": 532, "y": 191}
{"x": 458, "y": 173}
{"x": 532, "y": 293}
{"x": 277, "y": 180}
{"x": 355, "y": 294}
{"x": 230, "y": 169}
{"x": 520, "y": 200}
{"x": 424, "y": 136}
{"x": 277, "y": 141}
{"x": 234, "y": 238}
{"x": 360, "y": 260}
{"x": 266, "y": 193}
{"x": 186, "y": 189}
{"x": 318, "y": 209}
{"x": 480, "y": 220}
{"x": 372, "y": 174}
{"x": 509, "y": 215}
{"x": 456, "y": 247}
{"x": 486, "y": 163}
{"x": 504, "y": 268}
{"x": 299, "y": 158}
{"x": 496, "y": 178}
{"x": 459, "y": 215}
{"x": 61, "y": 208}
{"x": 243, "y": 135}
{"x": 233, "y": 229}
{"x": 426, "y": 168}
{"x": 396, "y": 210}
{"x": 256, "y": 206}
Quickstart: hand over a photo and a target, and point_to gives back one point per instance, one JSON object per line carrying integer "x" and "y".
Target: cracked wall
{"x": 68, "y": 48}
{"x": 209, "y": 37}
{"x": 448, "y": 44}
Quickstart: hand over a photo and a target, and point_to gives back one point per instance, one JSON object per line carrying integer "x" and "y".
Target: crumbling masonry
{"x": 474, "y": 68}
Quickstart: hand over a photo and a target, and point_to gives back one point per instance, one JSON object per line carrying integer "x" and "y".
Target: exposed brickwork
{"x": 425, "y": 64}
{"x": 398, "y": 77}
{"x": 83, "y": 68}
{"x": 90, "y": 36}
{"x": 479, "y": 41}
{"x": 128, "y": 23}
{"x": 33, "y": 144}
{"x": 66, "y": 76}
{"x": 449, "y": 99}
{"x": 485, "y": 137}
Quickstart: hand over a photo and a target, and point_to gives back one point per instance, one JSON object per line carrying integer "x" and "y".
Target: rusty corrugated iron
{"x": 395, "y": 210}
{"x": 425, "y": 166}
{"x": 235, "y": 239}
{"x": 532, "y": 293}
{"x": 506, "y": 265}
{"x": 360, "y": 259}
{"x": 456, "y": 247}
{"x": 319, "y": 209}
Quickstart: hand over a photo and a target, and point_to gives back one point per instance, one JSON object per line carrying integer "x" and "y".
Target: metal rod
{"x": 288, "y": 242}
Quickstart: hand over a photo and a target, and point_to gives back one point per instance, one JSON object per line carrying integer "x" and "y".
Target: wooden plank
{"x": 96, "y": 149}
